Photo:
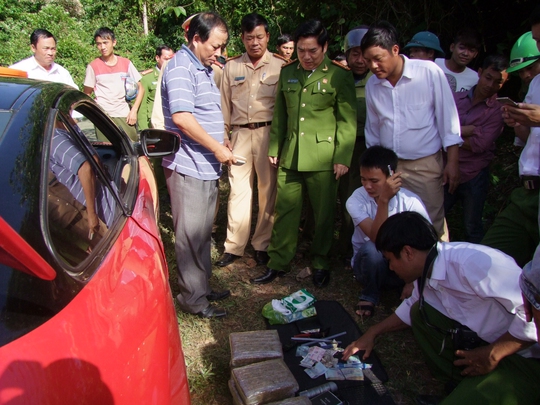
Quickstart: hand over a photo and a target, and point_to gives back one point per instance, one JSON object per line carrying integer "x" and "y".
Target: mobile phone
{"x": 240, "y": 160}
{"x": 507, "y": 101}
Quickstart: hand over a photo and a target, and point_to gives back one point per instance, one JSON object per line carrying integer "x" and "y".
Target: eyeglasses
{"x": 517, "y": 61}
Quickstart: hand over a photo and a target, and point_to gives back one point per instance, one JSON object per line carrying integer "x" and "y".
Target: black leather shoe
{"x": 226, "y": 259}
{"x": 218, "y": 295}
{"x": 269, "y": 276}
{"x": 261, "y": 257}
{"x": 212, "y": 312}
{"x": 428, "y": 399}
{"x": 321, "y": 277}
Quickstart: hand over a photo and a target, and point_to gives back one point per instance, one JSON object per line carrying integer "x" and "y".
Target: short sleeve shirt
{"x": 189, "y": 86}
{"x": 458, "y": 82}
{"x": 361, "y": 207}
{"x": 108, "y": 83}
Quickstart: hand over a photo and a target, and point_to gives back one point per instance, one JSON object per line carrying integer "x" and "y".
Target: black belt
{"x": 254, "y": 125}
{"x": 530, "y": 182}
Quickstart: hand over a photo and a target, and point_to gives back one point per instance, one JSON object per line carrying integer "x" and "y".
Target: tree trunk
{"x": 145, "y": 18}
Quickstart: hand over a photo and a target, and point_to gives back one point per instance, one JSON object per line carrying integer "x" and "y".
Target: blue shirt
{"x": 188, "y": 86}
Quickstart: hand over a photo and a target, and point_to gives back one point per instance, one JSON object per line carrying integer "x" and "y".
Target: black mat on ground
{"x": 332, "y": 316}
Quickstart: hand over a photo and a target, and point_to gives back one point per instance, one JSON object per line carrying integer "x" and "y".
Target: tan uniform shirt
{"x": 248, "y": 93}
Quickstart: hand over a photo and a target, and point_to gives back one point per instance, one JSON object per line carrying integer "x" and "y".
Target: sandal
{"x": 365, "y": 307}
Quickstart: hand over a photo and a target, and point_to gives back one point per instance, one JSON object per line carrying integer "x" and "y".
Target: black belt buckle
{"x": 253, "y": 125}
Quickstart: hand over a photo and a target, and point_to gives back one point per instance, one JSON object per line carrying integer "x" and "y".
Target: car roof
{"x": 14, "y": 91}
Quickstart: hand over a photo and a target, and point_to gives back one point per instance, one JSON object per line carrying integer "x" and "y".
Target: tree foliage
{"x": 74, "y": 21}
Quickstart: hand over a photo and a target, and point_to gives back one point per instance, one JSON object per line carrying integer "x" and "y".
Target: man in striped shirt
{"x": 192, "y": 108}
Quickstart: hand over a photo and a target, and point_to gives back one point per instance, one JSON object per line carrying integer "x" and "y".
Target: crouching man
{"x": 466, "y": 313}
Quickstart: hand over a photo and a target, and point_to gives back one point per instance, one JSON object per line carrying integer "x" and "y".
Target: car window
{"x": 87, "y": 178}
{"x": 69, "y": 180}
{"x": 81, "y": 203}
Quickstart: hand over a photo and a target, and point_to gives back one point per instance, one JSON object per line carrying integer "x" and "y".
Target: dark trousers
{"x": 472, "y": 194}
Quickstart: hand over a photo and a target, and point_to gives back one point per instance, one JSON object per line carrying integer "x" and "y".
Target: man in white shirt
{"x": 466, "y": 313}
{"x": 515, "y": 230}
{"x": 41, "y": 66}
{"x": 530, "y": 288}
{"x": 464, "y": 49}
{"x": 380, "y": 197}
{"x": 410, "y": 109}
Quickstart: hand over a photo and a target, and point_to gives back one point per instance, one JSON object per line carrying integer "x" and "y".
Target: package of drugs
{"x": 267, "y": 381}
{"x": 293, "y": 401}
{"x": 254, "y": 346}
{"x": 234, "y": 393}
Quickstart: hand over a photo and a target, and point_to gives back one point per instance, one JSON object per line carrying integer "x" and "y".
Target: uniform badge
{"x": 325, "y": 81}
{"x": 292, "y": 81}
{"x": 239, "y": 78}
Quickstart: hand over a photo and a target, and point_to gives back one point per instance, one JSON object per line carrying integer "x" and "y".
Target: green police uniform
{"x": 149, "y": 84}
{"x": 313, "y": 128}
{"x": 351, "y": 181}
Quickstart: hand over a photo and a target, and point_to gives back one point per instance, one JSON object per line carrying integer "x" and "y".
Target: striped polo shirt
{"x": 65, "y": 161}
{"x": 188, "y": 86}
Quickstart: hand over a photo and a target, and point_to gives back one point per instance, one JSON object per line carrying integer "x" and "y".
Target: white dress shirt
{"x": 529, "y": 160}
{"x": 417, "y": 116}
{"x": 477, "y": 286}
{"x": 57, "y": 73}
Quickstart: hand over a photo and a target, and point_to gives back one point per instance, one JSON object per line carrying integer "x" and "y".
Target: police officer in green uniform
{"x": 311, "y": 142}
{"x": 149, "y": 83}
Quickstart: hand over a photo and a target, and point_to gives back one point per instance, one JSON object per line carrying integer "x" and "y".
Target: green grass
{"x": 206, "y": 343}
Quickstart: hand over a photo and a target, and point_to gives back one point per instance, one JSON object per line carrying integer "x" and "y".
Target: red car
{"x": 86, "y": 312}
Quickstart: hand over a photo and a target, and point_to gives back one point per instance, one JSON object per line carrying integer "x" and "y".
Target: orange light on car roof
{"x": 7, "y": 72}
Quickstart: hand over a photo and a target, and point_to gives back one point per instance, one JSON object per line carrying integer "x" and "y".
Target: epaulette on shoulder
{"x": 277, "y": 55}
{"x": 289, "y": 63}
{"x": 340, "y": 65}
{"x": 233, "y": 57}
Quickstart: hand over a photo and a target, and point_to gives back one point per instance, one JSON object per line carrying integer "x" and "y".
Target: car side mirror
{"x": 157, "y": 143}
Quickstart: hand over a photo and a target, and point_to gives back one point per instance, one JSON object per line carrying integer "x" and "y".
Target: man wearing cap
{"x": 515, "y": 230}
{"x": 311, "y": 140}
{"x": 247, "y": 100}
{"x": 424, "y": 45}
{"x": 525, "y": 61}
{"x": 41, "y": 65}
{"x": 351, "y": 180}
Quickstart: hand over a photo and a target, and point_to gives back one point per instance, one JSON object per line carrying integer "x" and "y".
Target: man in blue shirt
{"x": 192, "y": 108}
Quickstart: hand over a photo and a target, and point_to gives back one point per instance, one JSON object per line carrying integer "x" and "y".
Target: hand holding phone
{"x": 507, "y": 101}
{"x": 240, "y": 160}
